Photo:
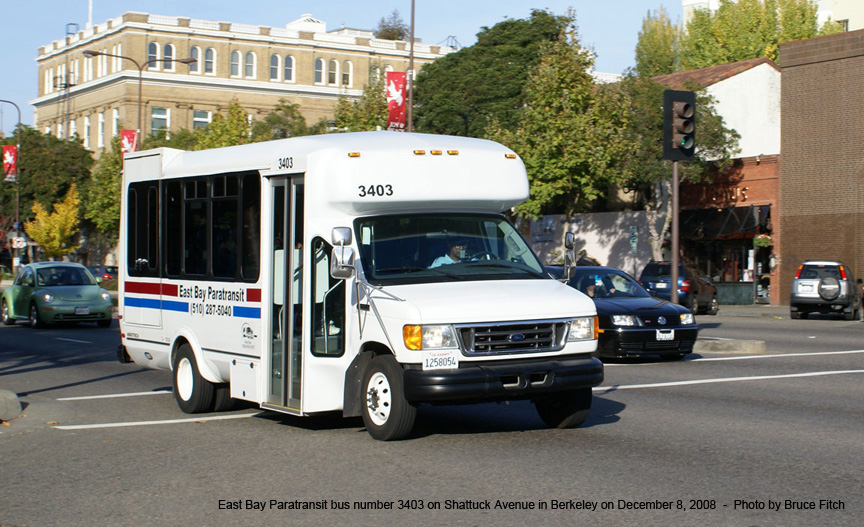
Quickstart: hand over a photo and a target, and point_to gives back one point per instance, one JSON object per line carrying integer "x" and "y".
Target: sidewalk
{"x": 754, "y": 310}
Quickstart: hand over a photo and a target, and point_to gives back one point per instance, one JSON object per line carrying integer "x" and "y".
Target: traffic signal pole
{"x": 673, "y": 273}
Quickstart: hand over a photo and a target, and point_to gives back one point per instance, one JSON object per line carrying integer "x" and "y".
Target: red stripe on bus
{"x": 253, "y": 295}
{"x": 149, "y": 288}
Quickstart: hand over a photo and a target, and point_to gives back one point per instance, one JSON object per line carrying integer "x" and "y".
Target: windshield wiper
{"x": 507, "y": 265}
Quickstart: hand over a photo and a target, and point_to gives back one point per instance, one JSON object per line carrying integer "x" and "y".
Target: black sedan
{"x": 632, "y": 322}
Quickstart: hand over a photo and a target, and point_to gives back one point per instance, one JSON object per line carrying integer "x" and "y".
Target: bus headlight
{"x": 418, "y": 337}
{"x": 582, "y": 328}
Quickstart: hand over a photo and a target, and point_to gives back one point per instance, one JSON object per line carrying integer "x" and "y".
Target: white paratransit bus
{"x": 319, "y": 274}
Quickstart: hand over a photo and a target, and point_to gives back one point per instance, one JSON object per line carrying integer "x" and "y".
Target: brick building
{"x": 822, "y": 189}
{"x": 95, "y": 96}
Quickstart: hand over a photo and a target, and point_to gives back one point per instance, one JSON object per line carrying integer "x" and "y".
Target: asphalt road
{"x": 714, "y": 440}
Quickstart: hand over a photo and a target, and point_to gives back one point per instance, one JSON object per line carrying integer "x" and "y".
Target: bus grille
{"x": 522, "y": 337}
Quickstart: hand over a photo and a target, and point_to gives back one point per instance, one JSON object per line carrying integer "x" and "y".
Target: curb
{"x": 729, "y": 346}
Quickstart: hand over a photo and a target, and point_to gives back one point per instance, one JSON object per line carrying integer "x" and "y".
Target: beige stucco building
{"x": 96, "y": 96}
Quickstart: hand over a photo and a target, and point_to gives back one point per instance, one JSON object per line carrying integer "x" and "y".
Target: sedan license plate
{"x": 440, "y": 360}
{"x": 82, "y": 310}
{"x": 660, "y": 285}
{"x": 665, "y": 334}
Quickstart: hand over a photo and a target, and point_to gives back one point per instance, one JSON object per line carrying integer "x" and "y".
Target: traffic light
{"x": 679, "y": 125}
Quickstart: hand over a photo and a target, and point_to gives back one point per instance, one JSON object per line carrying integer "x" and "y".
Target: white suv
{"x": 825, "y": 286}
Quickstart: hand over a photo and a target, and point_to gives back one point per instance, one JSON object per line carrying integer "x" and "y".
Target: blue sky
{"x": 610, "y": 27}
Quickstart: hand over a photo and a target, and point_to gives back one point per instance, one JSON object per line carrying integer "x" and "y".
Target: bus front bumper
{"x": 502, "y": 380}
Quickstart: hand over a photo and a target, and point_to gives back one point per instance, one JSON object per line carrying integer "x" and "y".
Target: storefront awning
{"x": 724, "y": 223}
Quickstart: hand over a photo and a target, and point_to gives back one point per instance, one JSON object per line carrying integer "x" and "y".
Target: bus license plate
{"x": 440, "y": 360}
{"x": 665, "y": 334}
{"x": 82, "y": 310}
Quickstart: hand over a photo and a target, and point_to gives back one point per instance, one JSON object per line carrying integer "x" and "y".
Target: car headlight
{"x": 624, "y": 320}
{"x": 687, "y": 319}
{"x": 582, "y": 328}
{"x": 47, "y": 297}
{"x": 418, "y": 337}
{"x": 106, "y": 296}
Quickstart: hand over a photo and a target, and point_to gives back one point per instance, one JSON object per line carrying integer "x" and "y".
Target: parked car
{"x": 103, "y": 272}
{"x": 695, "y": 290}
{"x": 631, "y": 321}
{"x": 825, "y": 286}
{"x": 55, "y": 292}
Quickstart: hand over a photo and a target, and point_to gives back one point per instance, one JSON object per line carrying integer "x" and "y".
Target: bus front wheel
{"x": 388, "y": 416}
{"x": 565, "y": 410}
{"x": 193, "y": 392}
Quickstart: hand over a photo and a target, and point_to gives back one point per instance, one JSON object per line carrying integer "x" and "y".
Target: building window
{"x": 87, "y": 131}
{"x": 274, "y": 67}
{"x": 249, "y": 65}
{"x": 288, "y": 70}
{"x": 200, "y": 119}
{"x": 235, "y": 63}
{"x": 100, "y": 131}
{"x": 319, "y": 71}
{"x": 194, "y": 53}
{"x": 332, "y": 72}
{"x": 168, "y": 58}
{"x": 73, "y": 129}
{"x": 88, "y": 69}
{"x": 210, "y": 61}
{"x": 153, "y": 56}
{"x": 159, "y": 120}
{"x": 347, "y": 70}
{"x": 115, "y": 122}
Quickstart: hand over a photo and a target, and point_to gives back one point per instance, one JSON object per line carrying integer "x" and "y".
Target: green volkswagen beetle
{"x": 55, "y": 292}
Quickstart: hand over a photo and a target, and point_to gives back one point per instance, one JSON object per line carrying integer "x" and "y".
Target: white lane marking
{"x": 202, "y": 419}
{"x": 115, "y": 395}
{"x": 719, "y": 380}
{"x": 73, "y": 340}
{"x": 739, "y": 357}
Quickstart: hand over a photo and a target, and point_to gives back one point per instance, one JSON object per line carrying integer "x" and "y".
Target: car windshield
{"x": 63, "y": 275}
{"x": 422, "y": 248}
{"x": 819, "y": 271}
{"x": 606, "y": 283}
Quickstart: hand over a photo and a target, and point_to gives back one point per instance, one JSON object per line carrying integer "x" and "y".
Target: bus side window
{"x": 328, "y": 304}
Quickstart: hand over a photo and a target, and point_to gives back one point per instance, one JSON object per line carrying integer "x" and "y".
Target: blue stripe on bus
{"x": 155, "y": 303}
{"x": 170, "y": 305}
{"x": 246, "y": 312}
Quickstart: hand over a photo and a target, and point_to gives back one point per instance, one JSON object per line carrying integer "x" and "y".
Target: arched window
{"x": 235, "y": 63}
{"x": 332, "y": 72}
{"x": 210, "y": 61}
{"x": 194, "y": 53}
{"x": 347, "y": 73}
{"x": 274, "y": 67}
{"x": 288, "y": 73}
{"x": 153, "y": 56}
{"x": 249, "y": 65}
{"x": 319, "y": 71}
{"x": 168, "y": 57}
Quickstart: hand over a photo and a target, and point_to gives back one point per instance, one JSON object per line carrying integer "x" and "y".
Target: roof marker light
{"x": 510, "y": 156}
{"x": 419, "y": 152}
{"x": 435, "y": 152}
{"x": 353, "y": 154}
{"x": 453, "y": 152}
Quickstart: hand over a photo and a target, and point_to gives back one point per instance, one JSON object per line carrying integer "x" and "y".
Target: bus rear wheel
{"x": 193, "y": 392}
{"x": 388, "y": 416}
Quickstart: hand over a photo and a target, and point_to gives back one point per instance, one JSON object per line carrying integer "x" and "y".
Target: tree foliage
{"x": 55, "y": 232}
{"x": 102, "y": 203}
{"x": 393, "y": 28}
{"x": 459, "y": 93}
{"x": 569, "y": 134}
{"x": 285, "y": 120}
{"x": 369, "y": 112}
{"x": 657, "y": 49}
{"x": 225, "y": 130}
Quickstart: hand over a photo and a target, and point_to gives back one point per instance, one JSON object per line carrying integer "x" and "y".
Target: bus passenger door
{"x": 286, "y": 367}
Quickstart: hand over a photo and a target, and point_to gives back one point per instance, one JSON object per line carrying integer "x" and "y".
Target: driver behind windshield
{"x": 455, "y": 254}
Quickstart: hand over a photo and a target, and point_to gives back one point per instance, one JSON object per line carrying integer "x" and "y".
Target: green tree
{"x": 459, "y": 93}
{"x": 225, "y": 130}
{"x": 569, "y": 134}
{"x": 657, "y": 48}
{"x": 393, "y": 28}
{"x": 102, "y": 202}
{"x": 55, "y": 232}
{"x": 284, "y": 121}
{"x": 369, "y": 112}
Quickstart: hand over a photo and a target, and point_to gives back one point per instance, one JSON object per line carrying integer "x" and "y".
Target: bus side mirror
{"x": 340, "y": 236}
{"x": 569, "y": 244}
{"x": 342, "y": 263}
{"x": 569, "y": 241}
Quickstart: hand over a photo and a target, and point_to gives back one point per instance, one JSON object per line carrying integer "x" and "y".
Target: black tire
{"x": 7, "y": 317}
{"x": 35, "y": 319}
{"x": 693, "y": 304}
{"x": 388, "y": 416}
{"x": 565, "y": 410}
{"x": 852, "y": 315}
{"x": 829, "y": 288}
{"x": 104, "y": 323}
{"x": 194, "y": 393}
{"x": 713, "y": 306}
{"x": 673, "y": 356}
{"x": 794, "y": 315}
{"x": 222, "y": 401}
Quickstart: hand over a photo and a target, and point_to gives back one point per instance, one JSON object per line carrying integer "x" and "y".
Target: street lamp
{"x": 140, "y": 66}
{"x": 17, "y": 184}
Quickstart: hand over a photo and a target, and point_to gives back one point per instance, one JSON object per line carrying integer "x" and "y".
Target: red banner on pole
{"x": 128, "y": 141}
{"x": 396, "y": 82}
{"x": 10, "y": 162}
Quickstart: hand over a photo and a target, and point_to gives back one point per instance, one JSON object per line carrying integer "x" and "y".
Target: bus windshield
{"x": 424, "y": 248}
